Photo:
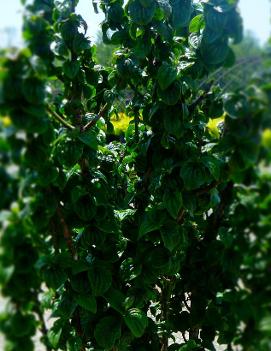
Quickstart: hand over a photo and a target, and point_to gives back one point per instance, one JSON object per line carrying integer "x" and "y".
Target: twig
{"x": 186, "y": 305}
{"x": 43, "y": 327}
{"x": 73, "y": 5}
{"x": 180, "y": 216}
{"x": 184, "y": 337}
{"x": 96, "y": 119}
{"x": 200, "y": 98}
{"x": 66, "y": 232}
{"x": 136, "y": 127}
{"x": 59, "y": 118}
{"x": 211, "y": 186}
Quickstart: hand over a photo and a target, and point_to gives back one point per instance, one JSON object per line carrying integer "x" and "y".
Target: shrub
{"x": 128, "y": 243}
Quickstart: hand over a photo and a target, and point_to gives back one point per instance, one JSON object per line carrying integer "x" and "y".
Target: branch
{"x": 184, "y": 337}
{"x": 186, "y": 305}
{"x": 59, "y": 118}
{"x": 96, "y": 119}
{"x": 217, "y": 216}
{"x": 181, "y": 216}
{"x": 73, "y": 5}
{"x": 66, "y": 232}
{"x": 43, "y": 327}
{"x": 211, "y": 186}
{"x": 200, "y": 98}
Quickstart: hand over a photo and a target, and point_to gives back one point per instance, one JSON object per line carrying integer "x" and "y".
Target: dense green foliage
{"x": 131, "y": 243}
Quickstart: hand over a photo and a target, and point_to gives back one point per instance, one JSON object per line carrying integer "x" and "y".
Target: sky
{"x": 256, "y": 16}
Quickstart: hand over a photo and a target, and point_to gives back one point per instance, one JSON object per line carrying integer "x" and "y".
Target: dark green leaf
{"x": 71, "y": 69}
{"x": 89, "y": 138}
{"x": 166, "y": 75}
{"x": 181, "y": 13}
{"x": 173, "y": 235}
{"x": 107, "y": 332}
{"x": 151, "y": 221}
{"x": 173, "y": 202}
{"x": 88, "y": 302}
{"x": 140, "y": 14}
{"x": 100, "y": 278}
{"x": 136, "y": 321}
{"x": 194, "y": 175}
{"x": 172, "y": 94}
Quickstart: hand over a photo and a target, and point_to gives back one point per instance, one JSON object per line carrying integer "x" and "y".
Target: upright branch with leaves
{"x": 157, "y": 242}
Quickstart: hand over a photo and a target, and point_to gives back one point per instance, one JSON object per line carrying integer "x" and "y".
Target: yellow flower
{"x": 120, "y": 122}
{"x": 212, "y": 126}
{"x": 266, "y": 138}
{"x": 6, "y": 121}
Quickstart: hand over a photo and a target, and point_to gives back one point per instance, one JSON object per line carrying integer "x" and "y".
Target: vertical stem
{"x": 73, "y": 5}
{"x": 164, "y": 313}
{"x": 43, "y": 327}
{"x": 194, "y": 330}
{"x": 166, "y": 290}
{"x": 136, "y": 126}
{"x": 66, "y": 232}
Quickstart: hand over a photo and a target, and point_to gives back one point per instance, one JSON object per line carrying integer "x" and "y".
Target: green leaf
{"x": 173, "y": 202}
{"x": 22, "y": 325}
{"x": 80, "y": 43}
{"x": 151, "y": 221}
{"x": 265, "y": 325}
{"x": 80, "y": 266}
{"x": 215, "y": 20}
{"x": 173, "y": 236}
{"x": 173, "y": 124}
{"x": 54, "y": 277}
{"x": 64, "y": 308}
{"x": 213, "y": 164}
{"x": 116, "y": 299}
{"x": 74, "y": 344}
{"x": 80, "y": 283}
{"x": 33, "y": 91}
{"x": 107, "y": 332}
{"x": 165, "y": 7}
{"x": 89, "y": 138}
{"x": 181, "y": 13}
{"x": 215, "y": 53}
{"x": 124, "y": 214}
{"x": 136, "y": 321}
{"x": 190, "y": 345}
{"x": 215, "y": 198}
{"x": 146, "y": 3}
{"x": 140, "y": 14}
{"x": 164, "y": 30}
{"x": 172, "y": 94}
{"x": 236, "y": 105}
{"x": 85, "y": 207}
{"x": 196, "y": 24}
{"x": 166, "y": 75}
{"x": 100, "y": 278}
{"x": 77, "y": 192}
{"x": 54, "y": 337}
{"x": 71, "y": 69}
{"x": 115, "y": 13}
{"x": 68, "y": 151}
{"x": 159, "y": 259}
{"x": 193, "y": 175}
{"x": 88, "y": 302}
